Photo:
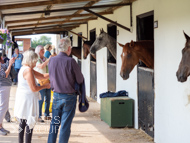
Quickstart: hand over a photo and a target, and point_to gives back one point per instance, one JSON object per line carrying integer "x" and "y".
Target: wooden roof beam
{"x": 67, "y": 9}
{"x": 48, "y": 23}
{"x": 32, "y": 4}
{"x": 40, "y": 31}
{"x": 109, "y": 20}
{"x": 46, "y": 27}
{"x": 78, "y": 34}
{"x": 55, "y": 17}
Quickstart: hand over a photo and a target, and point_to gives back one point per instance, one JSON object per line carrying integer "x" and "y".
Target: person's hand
{"x": 12, "y": 61}
{"x": 51, "y": 56}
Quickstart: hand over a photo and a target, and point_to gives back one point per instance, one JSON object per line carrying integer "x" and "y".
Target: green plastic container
{"x": 117, "y": 111}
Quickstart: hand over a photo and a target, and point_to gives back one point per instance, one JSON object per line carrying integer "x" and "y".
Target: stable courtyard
{"x": 86, "y": 128}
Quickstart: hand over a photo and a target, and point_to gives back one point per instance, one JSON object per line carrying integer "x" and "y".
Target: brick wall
{"x": 26, "y": 43}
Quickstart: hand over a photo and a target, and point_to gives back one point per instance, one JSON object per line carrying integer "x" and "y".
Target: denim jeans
{"x": 63, "y": 111}
{"x": 47, "y": 94}
{"x": 16, "y": 78}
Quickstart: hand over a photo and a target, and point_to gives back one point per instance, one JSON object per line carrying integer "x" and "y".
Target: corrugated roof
{"x": 77, "y": 18}
{"x": 24, "y": 23}
{"x": 7, "y": 2}
{"x": 21, "y": 18}
{"x": 36, "y": 8}
{"x": 69, "y": 5}
{"x": 95, "y": 10}
{"x": 62, "y": 13}
{"x": 104, "y": 2}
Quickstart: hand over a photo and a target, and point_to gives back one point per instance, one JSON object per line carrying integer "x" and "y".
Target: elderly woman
{"x": 41, "y": 67}
{"x": 27, "y": 95}
{"x": 48, "y": 48}
{"x": 5, "y": 86}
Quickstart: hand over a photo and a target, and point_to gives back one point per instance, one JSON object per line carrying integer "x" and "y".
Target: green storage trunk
{"x": 117, "y": 111}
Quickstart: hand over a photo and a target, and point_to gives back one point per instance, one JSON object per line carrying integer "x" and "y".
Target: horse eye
{"x": 100, "y": 38}
{"x": 128, "y": 55}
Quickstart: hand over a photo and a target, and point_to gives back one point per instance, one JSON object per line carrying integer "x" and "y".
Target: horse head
{"x": 129, "y": 59}
{"x": 100, "y": 42}
{"x": 86, "y": 49}
{"x": 184, "y": 66}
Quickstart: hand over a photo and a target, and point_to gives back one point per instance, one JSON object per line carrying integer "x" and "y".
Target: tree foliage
{"x": 43, "y": 40}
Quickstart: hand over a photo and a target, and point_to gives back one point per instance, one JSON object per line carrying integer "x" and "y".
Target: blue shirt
{"x": 47, "y": 54}
{"x": 64, "y": 72}
{"x": 18, "y": 61}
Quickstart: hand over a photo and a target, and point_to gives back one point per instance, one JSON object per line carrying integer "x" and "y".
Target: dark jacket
{"x": 83, "y": 102}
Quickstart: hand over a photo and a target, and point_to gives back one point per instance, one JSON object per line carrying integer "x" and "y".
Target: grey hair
{"x": 64, "y": 44}
{"x": 38, "y": 48}
{"x": 29, "y": 58}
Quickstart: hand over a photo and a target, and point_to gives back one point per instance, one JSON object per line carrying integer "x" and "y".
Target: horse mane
{"x": 143, "y": 42}
{"x": 88, "y": 42}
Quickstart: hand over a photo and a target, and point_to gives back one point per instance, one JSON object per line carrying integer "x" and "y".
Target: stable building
{"x": 161, "y": 102}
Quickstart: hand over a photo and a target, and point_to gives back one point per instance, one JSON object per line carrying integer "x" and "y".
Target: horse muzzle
{"x": 180, "y": 77}
{"x": 124, "y": 76}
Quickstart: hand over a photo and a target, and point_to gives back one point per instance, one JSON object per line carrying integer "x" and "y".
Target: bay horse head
{"x": 129, "y": 59}
{"x": 86, "y": 48}
{"x": 184, "y": 67}
{"x": 104, "y": 40}
{"x": 133, "y": 52}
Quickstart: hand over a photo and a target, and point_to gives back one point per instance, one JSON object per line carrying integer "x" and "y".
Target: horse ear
{"x": 186, "y": 36}
{"x": 101, "y": 30}
{"x": 120, "y": 44}
{"x": 132, "y": 44}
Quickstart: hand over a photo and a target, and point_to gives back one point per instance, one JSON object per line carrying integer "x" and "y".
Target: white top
{"x": 42, "y": 71}
{"x": 26, "y": 102}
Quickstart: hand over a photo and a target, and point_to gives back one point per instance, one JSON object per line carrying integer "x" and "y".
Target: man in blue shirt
{"x": 18, "y": 63}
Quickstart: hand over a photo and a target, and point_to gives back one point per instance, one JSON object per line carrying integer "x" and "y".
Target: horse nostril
{"x": 122, "y": 75}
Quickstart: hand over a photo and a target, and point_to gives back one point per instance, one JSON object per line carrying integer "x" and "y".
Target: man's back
{"x": 64, "y": 72}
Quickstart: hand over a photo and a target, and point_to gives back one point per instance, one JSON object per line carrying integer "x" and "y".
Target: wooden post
{"x": 107, "y": 19}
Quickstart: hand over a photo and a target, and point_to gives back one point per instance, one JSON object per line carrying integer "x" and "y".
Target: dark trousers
{"x": 22, "y": 126}
{"x": 16, "y": 79}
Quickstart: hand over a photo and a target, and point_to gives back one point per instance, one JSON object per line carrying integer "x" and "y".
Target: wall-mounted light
{"x": 155, "y": 24}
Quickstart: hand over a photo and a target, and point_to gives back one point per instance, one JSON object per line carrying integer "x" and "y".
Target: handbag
{"x": 13, "y": 73}
{"x": 43, "y": 81}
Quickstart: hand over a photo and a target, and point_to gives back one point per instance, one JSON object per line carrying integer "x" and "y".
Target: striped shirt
{"x": 3, "y": 80}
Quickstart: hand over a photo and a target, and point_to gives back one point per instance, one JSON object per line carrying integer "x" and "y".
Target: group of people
{"x": 37, "y": 75}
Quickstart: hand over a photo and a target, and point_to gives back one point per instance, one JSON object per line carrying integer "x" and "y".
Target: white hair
{"x": 64, "y": 44}
{"x": 38, "y": 48}
{"x": 29, "y": 58}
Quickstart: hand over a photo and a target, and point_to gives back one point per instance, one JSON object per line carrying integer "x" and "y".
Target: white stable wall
{"x": 85, "y": 63}
{"x": 122, "y": 16}
{"x": 172, "y": 98}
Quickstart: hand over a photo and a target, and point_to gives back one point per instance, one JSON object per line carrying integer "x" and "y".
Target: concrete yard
{"x": 86, "y": 128}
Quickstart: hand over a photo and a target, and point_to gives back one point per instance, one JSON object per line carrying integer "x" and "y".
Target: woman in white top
{"x": 41, "y": 67}
{"x": 27, "y": 95}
